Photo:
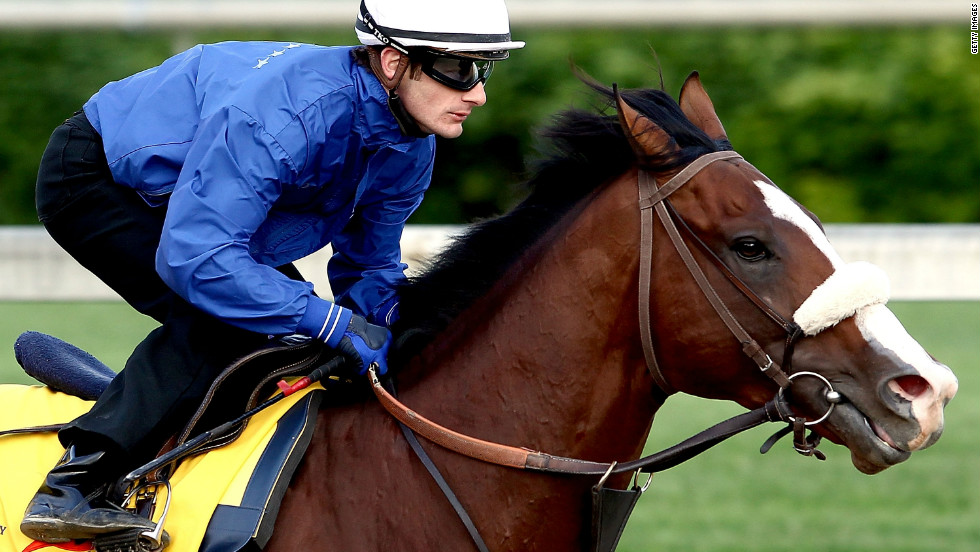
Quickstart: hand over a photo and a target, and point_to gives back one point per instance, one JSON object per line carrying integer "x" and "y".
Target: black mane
{"x": 585, "y": 150}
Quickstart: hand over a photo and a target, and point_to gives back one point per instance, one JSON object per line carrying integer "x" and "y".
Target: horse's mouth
{"x": 872, "y": 449}
{"x": 880, "y": 433}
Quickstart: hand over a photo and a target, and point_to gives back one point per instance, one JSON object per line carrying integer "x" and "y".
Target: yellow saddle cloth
{"x": 221, "y": 500}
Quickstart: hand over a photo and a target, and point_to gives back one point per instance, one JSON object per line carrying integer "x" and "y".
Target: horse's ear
{"x": 697, "y": 107}
{"x": 646, "y": 137}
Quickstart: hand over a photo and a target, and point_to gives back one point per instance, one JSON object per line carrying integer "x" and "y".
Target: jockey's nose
{"x": 476, "y": 95}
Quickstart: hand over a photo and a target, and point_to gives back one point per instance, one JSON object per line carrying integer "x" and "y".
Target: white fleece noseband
{"x": 849, "y": 289}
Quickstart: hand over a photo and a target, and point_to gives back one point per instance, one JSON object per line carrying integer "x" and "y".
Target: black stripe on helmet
{"x": 488, "y": 39}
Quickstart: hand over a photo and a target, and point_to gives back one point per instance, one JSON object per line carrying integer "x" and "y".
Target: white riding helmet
{"x": 473, "y": 28}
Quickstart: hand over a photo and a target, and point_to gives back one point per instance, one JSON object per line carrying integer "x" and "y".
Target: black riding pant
{"x": 114, "y": 233}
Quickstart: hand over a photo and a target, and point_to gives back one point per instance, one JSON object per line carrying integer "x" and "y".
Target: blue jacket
{"x": 265, "y": 153}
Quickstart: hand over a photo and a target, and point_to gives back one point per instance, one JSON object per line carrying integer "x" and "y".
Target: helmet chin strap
{"x": 406, "y": 122}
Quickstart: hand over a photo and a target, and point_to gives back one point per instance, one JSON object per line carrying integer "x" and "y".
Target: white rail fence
{"x": 182, "y": 14}
{"x": 923, "y": 261}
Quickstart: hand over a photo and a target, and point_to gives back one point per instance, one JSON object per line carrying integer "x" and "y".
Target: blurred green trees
{"x": 860, "y": 125}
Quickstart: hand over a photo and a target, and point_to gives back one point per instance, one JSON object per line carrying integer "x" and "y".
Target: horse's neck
{"x": 550, "y": 358}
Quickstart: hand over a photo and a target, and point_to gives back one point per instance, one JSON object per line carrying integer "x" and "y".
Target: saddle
{"x": 225, "y": 500}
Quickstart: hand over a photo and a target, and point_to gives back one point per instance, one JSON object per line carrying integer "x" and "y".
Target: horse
{"x": 565, "y": 324}
{"x": 648, "y": 259}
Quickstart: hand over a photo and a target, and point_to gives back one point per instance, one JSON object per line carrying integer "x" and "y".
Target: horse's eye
{"x": 751, "y": 249}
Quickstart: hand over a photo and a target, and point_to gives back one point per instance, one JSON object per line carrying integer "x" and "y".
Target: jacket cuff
{"x": 387, "y": 313}
{"x": 325, "y": 321}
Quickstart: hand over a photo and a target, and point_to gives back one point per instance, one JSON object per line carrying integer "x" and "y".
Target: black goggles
{"x": 456, "y": 72}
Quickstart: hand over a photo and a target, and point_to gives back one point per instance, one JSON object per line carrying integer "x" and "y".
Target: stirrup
{"x": 140, "y": 540}
{"x": 133, "y": 540}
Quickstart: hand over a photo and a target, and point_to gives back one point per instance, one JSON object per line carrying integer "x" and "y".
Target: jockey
{"x": 191, "y": 187}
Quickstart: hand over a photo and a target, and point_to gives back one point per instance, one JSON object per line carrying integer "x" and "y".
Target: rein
{"x": 498, "y": 454}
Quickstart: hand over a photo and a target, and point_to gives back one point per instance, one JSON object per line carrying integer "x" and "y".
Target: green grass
{"x": 730, "y": 498}
{"x": 108, "y": 330}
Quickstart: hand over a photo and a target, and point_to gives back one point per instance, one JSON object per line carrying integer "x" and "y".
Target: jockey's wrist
{"x": 325, "y": 321}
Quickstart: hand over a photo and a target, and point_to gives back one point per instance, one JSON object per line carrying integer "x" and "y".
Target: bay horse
{"x": 526, "y": 332}
{"x": 649, "y": 259}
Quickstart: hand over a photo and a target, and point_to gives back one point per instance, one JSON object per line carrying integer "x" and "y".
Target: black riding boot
{"x": 71, "y": 503}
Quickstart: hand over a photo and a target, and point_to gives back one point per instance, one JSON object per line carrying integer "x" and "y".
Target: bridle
{"x": 651, "y": 197}
{"x": 656, "y": 198}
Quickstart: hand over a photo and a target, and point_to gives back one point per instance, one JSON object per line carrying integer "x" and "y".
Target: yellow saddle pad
{"x": 221, "y": 500}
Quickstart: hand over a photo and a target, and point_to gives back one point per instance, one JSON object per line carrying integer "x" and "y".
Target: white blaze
{"x": 783, "y": 207}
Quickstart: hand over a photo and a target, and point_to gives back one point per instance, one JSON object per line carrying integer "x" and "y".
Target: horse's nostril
{"x": 909, "y": 387}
